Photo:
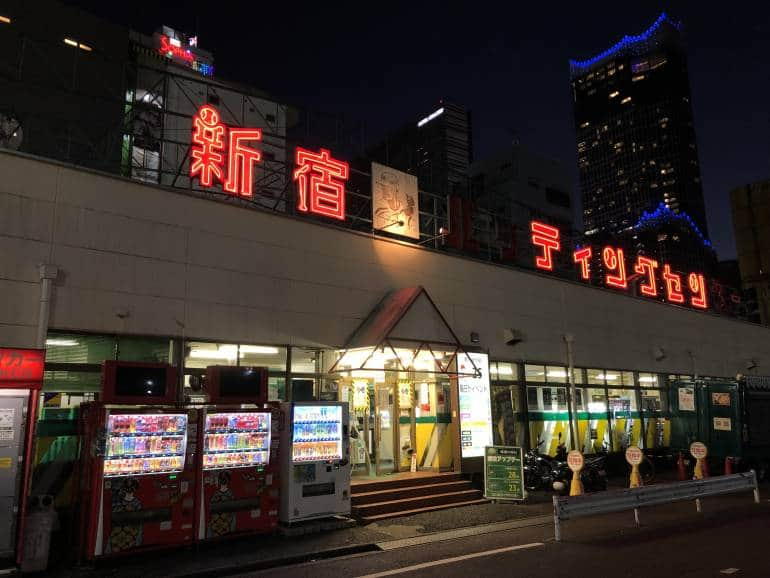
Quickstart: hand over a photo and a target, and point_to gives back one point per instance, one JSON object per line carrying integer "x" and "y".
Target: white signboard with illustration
{"x": 475, "y": 405}
{"x": 395, "y": 202}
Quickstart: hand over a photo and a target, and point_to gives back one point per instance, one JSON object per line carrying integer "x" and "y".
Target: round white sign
{"x": 634, "y": 455}
{"x": 575, "y": 461}
{"x": 698, "y": 450}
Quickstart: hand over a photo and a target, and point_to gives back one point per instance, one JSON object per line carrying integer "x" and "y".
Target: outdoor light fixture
{"x": 5, "y": 20}
{"x": 398, "y": 222}
{"x": 442, "y": 233}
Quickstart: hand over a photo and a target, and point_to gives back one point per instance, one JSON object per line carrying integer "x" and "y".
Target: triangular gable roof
{"x": 405, "y": 315}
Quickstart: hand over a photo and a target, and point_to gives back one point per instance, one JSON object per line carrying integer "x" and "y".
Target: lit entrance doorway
{"x": 399, "y": 372}
{"x": 406, "y": 426}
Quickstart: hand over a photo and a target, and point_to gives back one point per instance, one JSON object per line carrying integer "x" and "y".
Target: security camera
{"x": 122, "y": 313}
{"x": 659, "y": 353}
{"x": 751, "y": 364}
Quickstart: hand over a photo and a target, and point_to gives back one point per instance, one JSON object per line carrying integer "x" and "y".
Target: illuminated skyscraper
{"x": 635, "y": 135}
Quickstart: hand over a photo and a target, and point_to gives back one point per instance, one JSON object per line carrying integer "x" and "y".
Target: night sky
{"x": 388, "y": 63}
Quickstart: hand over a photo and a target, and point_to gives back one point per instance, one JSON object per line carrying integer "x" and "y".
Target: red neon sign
{"x": 673, "y": 285}
{"x": 615, "y": 261}
{"x": 241, "y": 159}
{"x": 321, "y": 183}
{"x": 646, "y": 266}
{"x": 208, "y": 145}
{"x": 169, "y": 49}
{"x": 582, "y": 256}
{"x": 548, "y": 238}
{"x": 21, "y": 365}
{"x": 697, "y": 285}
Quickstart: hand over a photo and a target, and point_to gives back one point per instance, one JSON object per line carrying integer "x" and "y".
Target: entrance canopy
{"x": 405, "y": 332}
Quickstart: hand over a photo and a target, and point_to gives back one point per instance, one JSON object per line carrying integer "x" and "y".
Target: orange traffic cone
{"x": 728, "y": 465}
{"x": 681, "y": 469}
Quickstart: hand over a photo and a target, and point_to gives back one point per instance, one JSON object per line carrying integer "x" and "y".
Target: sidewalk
{"x": 255, "y": 552}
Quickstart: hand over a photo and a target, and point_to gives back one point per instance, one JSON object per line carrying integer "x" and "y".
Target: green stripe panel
{"x": 584, "y": 415}
{"x": 440, "y": 418}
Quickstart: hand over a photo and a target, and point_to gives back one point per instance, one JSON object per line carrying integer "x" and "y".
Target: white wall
{"x": 180, "y": 265}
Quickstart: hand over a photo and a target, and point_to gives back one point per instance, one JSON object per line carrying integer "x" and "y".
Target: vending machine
{"x": 21, "y": 379}
{"x": 238, "y": 489}
{"x": 315, "y": 461}
{"x": 139, "y": 460}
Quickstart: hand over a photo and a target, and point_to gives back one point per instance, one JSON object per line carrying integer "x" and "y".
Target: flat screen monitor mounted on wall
{"x": 138, "y": 383}
{"x": 236, "y": 385}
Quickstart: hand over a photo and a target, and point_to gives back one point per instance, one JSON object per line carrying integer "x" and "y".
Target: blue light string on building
{"x": 663, "y": 214}
{"x": 626, "y": 42}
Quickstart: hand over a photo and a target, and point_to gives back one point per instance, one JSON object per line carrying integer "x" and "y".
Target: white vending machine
{"x": 315, "y": 461}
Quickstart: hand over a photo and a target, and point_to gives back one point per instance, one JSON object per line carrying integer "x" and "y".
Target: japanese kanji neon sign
{"x": 616, "y": 267}
{"x": 215, "y": 147}
{"x": 320, "y": 183}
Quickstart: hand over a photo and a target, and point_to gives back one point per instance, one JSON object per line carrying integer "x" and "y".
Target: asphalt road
{"x": 731, "y": 538}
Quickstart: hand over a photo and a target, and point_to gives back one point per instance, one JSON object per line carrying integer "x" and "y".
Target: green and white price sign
{"x": 503, "y": 473}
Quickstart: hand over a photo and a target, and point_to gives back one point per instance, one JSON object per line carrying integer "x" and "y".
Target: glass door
{"x": 384, "y": 429}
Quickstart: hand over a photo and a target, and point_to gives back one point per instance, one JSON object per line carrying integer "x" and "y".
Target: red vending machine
{"x": 139, "y": 485}
{"x": 238, "y": 470}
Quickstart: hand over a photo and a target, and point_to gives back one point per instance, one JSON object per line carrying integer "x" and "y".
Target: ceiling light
{"x": 70, "y": 42}
{"x": 61, "y": 342}
{"x": 85, "y": 47}
{"x": 557, "y": 374}
{"x": 5, "y": 20}
{"x": 259, "y": 349}
{"x": 648, "y": 379}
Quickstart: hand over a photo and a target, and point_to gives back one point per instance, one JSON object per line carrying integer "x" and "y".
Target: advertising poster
{"x": 503, "y": 473}
{"x": 475, "y": 407}
{"x": 686, "y": 399}
{"x": 395, "y": 202}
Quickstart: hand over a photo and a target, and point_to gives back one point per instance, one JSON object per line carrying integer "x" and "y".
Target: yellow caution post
{"x": 575, "y": 462}
{"x": 634, "y": 457}
{"x": 699, "y": 451}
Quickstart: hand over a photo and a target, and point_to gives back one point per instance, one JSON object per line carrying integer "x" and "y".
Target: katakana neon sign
{"x": 616, "y": 266}
{"x": 227, "y": 155}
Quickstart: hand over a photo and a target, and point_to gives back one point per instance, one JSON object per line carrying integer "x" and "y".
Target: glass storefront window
{"x": 593, "y": 430}
{"x": 648, "y": 380}
{"x": 499, "y": 370}
{"x": 556, "y": 374}
{"x": 74, "y": 382}
{"x": 75, "y": 348}
{"x": 624, "y": 419}
{"x": 595, "y": 376}
{"x": 548, "y": 417}
{"x": 305, "y": 360}
{"x": 507, "y": 418}
{"x": 657, "y": 427}
{"x": 534, "y": 373}
{"x": 627, "y": 378}
{"x": 144, "y": 349}
{"x": 272, "y": 357}
{"x": 577, "y": 376}
{"x": 201, "y": 354}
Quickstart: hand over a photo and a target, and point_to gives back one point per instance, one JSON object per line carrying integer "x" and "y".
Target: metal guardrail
{"x": 571, "y": 507}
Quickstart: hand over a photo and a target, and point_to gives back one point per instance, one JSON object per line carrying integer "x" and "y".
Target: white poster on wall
{"x": 475, "y": 405}
{"x": 686, "y": 399}
{"x": 395, "y": 202}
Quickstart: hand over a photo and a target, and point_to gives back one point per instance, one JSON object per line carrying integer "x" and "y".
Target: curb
{"x": 277, "y": 562}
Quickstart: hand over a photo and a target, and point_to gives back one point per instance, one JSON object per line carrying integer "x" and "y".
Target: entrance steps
{"x": 409, "y": 494}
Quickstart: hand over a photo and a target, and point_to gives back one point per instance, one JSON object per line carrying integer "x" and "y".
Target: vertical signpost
{"x": 504, "y": 473}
